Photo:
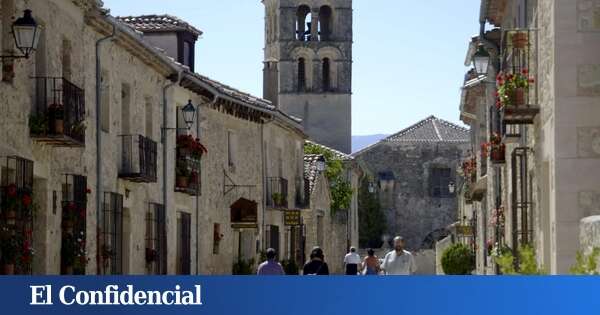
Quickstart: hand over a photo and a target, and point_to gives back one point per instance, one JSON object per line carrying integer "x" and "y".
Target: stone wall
{"x": 407, "y": 203}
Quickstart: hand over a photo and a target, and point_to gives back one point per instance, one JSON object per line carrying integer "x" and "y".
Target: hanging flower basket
{"x": 520, "y": 40}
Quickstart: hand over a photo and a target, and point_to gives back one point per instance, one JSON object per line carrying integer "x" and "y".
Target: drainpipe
{"x": 164, "y": 139}
{"x": 99, "y": 127}
{"x": 213, "y": 102}
{"x": 264, "y": 181}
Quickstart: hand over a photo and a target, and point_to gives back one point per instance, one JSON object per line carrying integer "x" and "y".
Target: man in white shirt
{"x": 352, "y": 260}
{"x": 399, "y": 261}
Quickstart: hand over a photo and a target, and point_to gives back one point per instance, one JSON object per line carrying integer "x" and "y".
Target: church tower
{"x": 308, "y": 65}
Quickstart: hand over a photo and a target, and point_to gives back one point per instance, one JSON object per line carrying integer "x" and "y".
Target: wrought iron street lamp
{"x": 189, "y": 112}
{"x": 321, "y": 166}
{"x": 451, "y": 187}
{"x": 26, "y": 34}
{"x": 371, "y": 187}
{"x": 481, "y": 60}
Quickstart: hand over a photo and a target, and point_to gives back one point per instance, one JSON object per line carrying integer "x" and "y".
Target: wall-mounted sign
{"x": 292, "y": 218}
{"x": 466, "y": 230}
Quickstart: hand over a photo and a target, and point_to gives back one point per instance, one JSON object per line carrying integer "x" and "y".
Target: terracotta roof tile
{"x": 159, "y": 23}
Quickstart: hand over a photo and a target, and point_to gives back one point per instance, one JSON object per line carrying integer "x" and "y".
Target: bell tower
{"x": 308, "y": 65}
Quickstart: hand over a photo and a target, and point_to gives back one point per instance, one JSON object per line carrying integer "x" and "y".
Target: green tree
{"x": 371, "y": 220}
{"x": 526, "y": 265}
{"x": 341, "y": 190}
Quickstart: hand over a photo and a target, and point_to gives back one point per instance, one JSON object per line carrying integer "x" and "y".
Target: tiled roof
{"x": 310, "y": 169}
{"x": 159, "y": 23}
{"x": 235, "y": 93}
{"x": 431, "y": 129}
{"x": 336, "y": 154}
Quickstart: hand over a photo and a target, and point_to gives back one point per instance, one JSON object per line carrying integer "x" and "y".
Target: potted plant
{"x": 520, "y": 39}
{"x": 56, "y": 113}
{"x": 38, "y": 124}
{"x": 78, "y": 129}
{"x": 278, "y": 199}
{"x": 513, "y": 88}
{"x": 183, "y": 175}
{"x": 498, "y": 149}
{"x": 9, "y": 249}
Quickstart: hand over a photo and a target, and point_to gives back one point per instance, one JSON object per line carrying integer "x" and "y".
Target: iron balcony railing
{"x": 277, "y": 192}
{"x": 59, "y": 114}
{"x": 138, "y": 158}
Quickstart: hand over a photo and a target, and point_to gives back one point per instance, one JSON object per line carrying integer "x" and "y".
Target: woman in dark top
{"x": 317, "y": 264}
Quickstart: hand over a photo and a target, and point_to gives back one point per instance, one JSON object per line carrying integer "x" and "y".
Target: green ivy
{"x": 586, "y": 264}
{"x": 341, "y": 190}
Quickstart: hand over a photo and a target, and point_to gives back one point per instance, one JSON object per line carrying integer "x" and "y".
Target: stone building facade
{"x": 166, "y": 197}
{"x": 308, "y": 65}
{"x": 548, "y": 181}
{"x": 413, "y": 172}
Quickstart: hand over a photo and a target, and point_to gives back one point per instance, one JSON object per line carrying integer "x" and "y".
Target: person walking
{"x": 317, "y": 265}
{"x": 270, "y": 267}
{"x": 399, "y": 261}
{"x": 370, "y": 266}
{"x": 351, "y": 261}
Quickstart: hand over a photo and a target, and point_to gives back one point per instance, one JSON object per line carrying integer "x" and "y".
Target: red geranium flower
{"x": 525, "y": 71}
{"x": 71, "y": 206}
{"x": 88, "y": 191}
{"x": 11, "y": 190}
{"x": 26, "y": 200}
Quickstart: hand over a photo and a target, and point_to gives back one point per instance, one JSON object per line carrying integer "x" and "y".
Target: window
{"x": 301, "y": 75}
{"x": 231, "y": 145}
{"x": 326, "y": 75}
{"x": 110, "y": 243}
{"x": 74, "y": 201}
{"x": 325, "y": 23}
{"x": 149, "y": 119}
{"x": 320, "y": 230}
{"x": 217, "y": 237}
{"x": 184, "y": 231}
{"x": 105, "y": 102}
{"x": 125, "y": 109}
{"x": 188, "y": 54}
{"x": 440, "y": 179}
{"x": 156, "y": 240}
{"x": 66, "y": 59}
{"x": 273, "y": 237}
{"x": 7, "y": 12}
{"x": 302, "y": 25}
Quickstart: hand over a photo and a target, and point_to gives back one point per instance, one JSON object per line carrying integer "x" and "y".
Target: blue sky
{"x": 408, "y": 54}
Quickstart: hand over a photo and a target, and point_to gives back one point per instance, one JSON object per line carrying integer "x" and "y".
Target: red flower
{"x": 11, "y": 190}
{"x": 71, "y": 206}
{"x": 531, "y": 80}
{"x": 88, "y": 191}
{"x": 525, "y": 71}
{"x": 26, "y": 200}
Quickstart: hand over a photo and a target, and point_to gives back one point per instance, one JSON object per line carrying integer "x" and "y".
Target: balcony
{"x": 59, "y": 114}
{"x": 138, "y": 159}
{"x": 187, "y": 178}
{"x": 277, "y": 192}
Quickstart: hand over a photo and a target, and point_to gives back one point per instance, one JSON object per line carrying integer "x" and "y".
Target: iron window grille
{"x": 17, "y": 211}
{"x": 277, "y": 192}
{"x": 156, "y": 240}
{"x": 273, "y": 237}
{"x": 59, "y": 114}
{"x": 138, "y": 162}
{"x": 74, "y": 214}
{"x": 110, "y": 244}
{"x": 521, "y": 199}
{"x": 440, "y": 179}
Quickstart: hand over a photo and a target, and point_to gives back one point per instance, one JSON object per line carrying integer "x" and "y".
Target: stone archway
{"x": 433, "y": 237}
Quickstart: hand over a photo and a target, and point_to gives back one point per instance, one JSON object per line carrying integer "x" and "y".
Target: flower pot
{"x": 69, "y": 270}
{"x": 182, "y": 181}
{"x": 499, "y": 154}
{"x": 57, "y": 126}
{"x": 68, "y": 226}
{"x": 519, "y": 97}
{"x": 11, "y": 217}
{"x": 520, "y": 40}
{"x": 8, "y": 269}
